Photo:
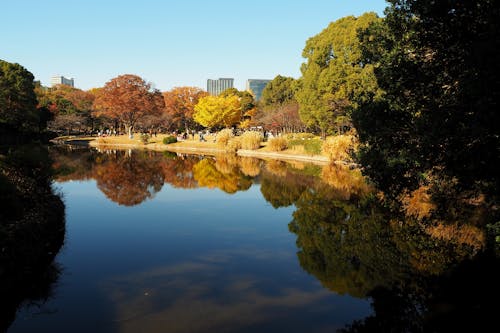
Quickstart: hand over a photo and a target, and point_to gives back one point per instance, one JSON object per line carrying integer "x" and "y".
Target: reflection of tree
{"x": 179, "y": 171}
{"x": 31, "y": 230}
{"x": 346, "y": 245}
{"x": 207, "y": 174}
{"x": 413, "y": 272}
{"x": 72, "y": 163}
{"x": 129, "y": 180}
{"x": 465, "y": 299}
{"x": 284, "y": 190}
{"x": 346, "y": 182}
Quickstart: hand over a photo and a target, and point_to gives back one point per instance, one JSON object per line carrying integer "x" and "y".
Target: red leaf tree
{"x": 179, "y": 104}
{"x": 128, "y": 98}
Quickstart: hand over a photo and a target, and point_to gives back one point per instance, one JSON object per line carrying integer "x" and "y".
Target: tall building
{"x": 215, "y": 87}
{"x": 55, "y": 80}
{"x": 255, "y": 87}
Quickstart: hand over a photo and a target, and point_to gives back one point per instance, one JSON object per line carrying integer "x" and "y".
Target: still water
{"x": 164, "y": 243}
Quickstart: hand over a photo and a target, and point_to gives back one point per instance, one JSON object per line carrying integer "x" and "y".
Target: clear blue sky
{"x": 170, "y": 43}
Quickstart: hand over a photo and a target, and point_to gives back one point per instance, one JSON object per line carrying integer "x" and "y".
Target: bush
{"x": 233, "y": 145}
{"x": 278, "y": 144}
{"x": 169, "y": 139}
{"x": 251, "y": 140}
{"x": 340, "y": 147}
{"x": 223, "y": 137}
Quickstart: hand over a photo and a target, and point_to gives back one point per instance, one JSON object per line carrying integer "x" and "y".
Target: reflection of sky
{"x": 196, "y": 260}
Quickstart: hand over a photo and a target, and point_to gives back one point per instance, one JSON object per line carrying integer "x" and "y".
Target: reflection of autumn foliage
{"x": 345, "y": 181}
{"x": 129, "y": 180}
{"x": 179, "y": 172}
{"x": 250, "y": 166}
{"x": 206, "y": 174}
{"x": 459, "y": 234}
{"x": 418, "y": 203}
{"x": 227, "y": 163}
{"x": 277, "y": 168}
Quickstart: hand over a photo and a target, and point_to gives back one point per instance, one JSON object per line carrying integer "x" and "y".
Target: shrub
{"x": 169, "y": 139}
{"x": 278, "y": 144}
{"x": 223, "y": 137}
{"x": 233, "y": 145}
{"x": 251, "y": 140}
{"x": 340, "y": 147}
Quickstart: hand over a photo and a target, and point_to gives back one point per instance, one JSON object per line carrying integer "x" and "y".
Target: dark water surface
{"x": 163, "y": 243}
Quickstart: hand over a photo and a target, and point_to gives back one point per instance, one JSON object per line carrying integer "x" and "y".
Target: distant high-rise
{"x": 255, "y": 87}
{"x": 215, "y": 87}
{"x": 55, "y": 80}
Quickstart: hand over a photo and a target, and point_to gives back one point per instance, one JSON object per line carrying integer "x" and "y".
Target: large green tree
{"x": 334, "y": 78}
{"x": 280, "y": 91}
{"x": 17, "y": 97}
{"x": 438, "y": 64}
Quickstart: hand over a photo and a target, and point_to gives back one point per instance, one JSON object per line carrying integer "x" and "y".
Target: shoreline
{"x": 187, "y": 149}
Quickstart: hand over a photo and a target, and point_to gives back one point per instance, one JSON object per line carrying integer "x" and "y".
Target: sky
{"x": 169, "y": 43}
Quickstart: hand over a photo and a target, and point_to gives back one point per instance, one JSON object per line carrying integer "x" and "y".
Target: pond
{"x": 160, "y": 242}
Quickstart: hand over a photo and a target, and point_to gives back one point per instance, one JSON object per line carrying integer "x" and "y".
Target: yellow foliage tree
{"x": 218, "y": 110}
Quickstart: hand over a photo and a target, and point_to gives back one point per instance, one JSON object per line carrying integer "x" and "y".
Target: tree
{"x": 334, "y": 79}
{"x": 180, "y": 103}
{"x": 214, "y": 111}
{"x": 248, "y": 106}
{"x": 69, "y": 107}
{"x": 17, "y": 97}
{"x": 439, "y": 115}
{"x": 128, "y": 98}
{"x": 280, "y": 91}
{"x": 283, "y": 118}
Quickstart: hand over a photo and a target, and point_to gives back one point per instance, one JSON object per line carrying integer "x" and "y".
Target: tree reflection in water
{"x": 32, "y": 230}
{"x": 129, "y": 178}
{"x": 426, "y": 260}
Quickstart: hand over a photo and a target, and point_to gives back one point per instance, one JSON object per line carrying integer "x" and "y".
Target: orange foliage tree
{"x": 179, "y": 105}
{"x": 128, "y": 98}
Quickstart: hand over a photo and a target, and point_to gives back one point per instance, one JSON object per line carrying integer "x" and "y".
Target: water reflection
{"x": 427, "y": 262}
{"x": 32, "y": 230}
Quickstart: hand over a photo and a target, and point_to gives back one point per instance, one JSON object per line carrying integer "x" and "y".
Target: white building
{"x": 55, "y": 80}
{"x": 215, "y": 87}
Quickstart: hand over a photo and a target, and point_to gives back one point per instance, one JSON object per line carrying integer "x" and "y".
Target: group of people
{"x": 107, "y": 132}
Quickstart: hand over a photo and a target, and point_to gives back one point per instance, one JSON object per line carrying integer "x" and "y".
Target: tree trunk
{"x": 129, "y": 130}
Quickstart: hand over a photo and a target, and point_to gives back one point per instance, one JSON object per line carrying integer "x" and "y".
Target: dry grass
{"x": 340, "y": 147}
{"x": 251, "y": 140}
{"x": 277, "y": 144}
{"x": 223, "y": 137}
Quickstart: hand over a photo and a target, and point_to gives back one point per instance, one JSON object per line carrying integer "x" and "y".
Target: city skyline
{"x": 170, "y": 44}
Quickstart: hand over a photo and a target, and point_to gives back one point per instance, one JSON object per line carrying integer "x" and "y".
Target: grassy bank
{"x": 299, "y": 152}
